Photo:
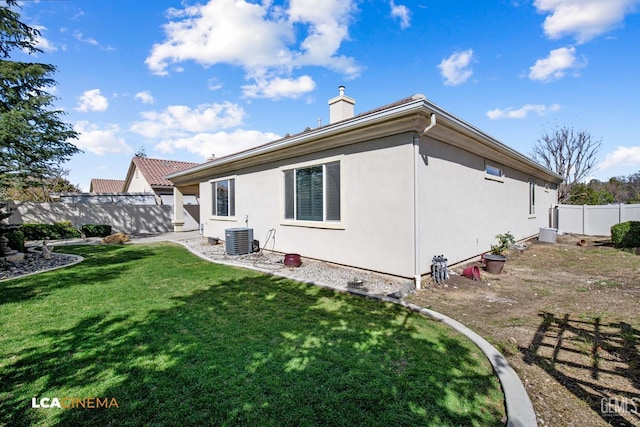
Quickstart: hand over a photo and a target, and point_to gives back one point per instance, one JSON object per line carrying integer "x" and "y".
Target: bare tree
{"x": 569, "y": 153}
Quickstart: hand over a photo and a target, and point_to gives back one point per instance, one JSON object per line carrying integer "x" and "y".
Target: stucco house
{"x": 385, "y": 190}
{"x": 146, "y": 175}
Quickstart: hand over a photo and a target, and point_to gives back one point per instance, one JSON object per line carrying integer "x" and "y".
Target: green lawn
{"x": 175, "y": 340}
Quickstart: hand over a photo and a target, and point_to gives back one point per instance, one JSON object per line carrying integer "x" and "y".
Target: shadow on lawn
{"x": 100, "y": 263}
{"x": 256, "y": 351}
{"x": 582, "y": 354}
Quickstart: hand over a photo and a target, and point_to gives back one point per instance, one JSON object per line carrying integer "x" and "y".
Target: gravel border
{"x": 34, "y": 264}
{"x": 311, "y": 271}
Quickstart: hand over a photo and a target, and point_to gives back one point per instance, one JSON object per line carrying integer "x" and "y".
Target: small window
{"x": 493, "y": 171}
{"x": 532, "y": 198}
{"x": 312, "y": 193}
{"x": 224, "y": 197}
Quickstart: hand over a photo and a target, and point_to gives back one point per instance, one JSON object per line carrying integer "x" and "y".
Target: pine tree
{"x": 33, "y": 137}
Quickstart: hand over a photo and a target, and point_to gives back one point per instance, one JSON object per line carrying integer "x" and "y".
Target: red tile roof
{"x": 106, "y": 185}
{"x": 154, "y": 170}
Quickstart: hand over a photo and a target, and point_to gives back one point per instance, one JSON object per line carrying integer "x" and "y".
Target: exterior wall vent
{"x": 239, "y": 241}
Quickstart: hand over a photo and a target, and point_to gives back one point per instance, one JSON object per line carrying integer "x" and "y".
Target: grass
{"x": 176, "y": 340}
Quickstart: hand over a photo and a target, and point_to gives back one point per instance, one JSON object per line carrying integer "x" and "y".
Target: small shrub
{"x": 504, "y": 242}
{"x": 59, "y": 230}
{"x": 96, "y": 230}
{"x": 16, "y": 240}
{"x": 626, "y": 234}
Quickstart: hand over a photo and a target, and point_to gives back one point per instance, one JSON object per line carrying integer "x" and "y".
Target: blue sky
{"x": 187, "y": 79}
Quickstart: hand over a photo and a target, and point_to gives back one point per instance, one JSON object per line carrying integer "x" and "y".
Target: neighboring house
{"x": 147, "y": 175}
{"x": 106, "y": 185}
{"x": 386, "y": 190}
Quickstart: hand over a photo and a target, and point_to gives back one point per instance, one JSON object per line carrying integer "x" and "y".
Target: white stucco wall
{"x": 377, "y": 208}
{"x": 138, "y": 183}
{"x": 461, "y": 211}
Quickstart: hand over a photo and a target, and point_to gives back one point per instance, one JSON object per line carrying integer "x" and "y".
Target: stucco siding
{"x": 462, "y": 208}
{"x": 138, "y": 184}
{"x": 376, "y": 227}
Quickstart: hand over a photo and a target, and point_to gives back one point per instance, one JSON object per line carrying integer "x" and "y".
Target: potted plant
{"x": 495, "y": 261}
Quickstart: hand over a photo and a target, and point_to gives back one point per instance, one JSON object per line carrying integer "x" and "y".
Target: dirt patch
{"x": 567, "y": 317}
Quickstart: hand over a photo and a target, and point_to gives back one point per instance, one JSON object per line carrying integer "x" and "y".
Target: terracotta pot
{"x": 494, "y": 263}
{"x": 472, "y": 272}
{"x": 292, "y": 260}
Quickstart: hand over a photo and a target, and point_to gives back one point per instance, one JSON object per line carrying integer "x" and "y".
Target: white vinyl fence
{"x": 131, "y": 219}
{"x": 593, "y": 220}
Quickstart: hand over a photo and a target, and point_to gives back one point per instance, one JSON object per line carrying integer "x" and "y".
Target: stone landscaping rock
{"x": 116, "y": 238}
{"x": 32, "y": 263}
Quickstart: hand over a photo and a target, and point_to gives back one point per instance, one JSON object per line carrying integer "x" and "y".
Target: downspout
{"x": 416, "y": 201}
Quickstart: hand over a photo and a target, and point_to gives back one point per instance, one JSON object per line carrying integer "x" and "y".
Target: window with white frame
{"x": 312, "y": 193}
{"x": 532, "y": 198}
{"x": 493, "y": 171}
{"x": 224, "y": 197}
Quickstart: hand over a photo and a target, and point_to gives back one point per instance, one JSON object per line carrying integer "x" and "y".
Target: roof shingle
{"x": 154, "y": 170}
{"x": 106, "y": 185}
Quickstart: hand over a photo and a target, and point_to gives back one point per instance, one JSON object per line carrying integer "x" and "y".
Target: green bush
{"x": 96, "y": 230}
{"x": 58, "y": 230}
{"x": 16, "y": 240}
{"x": 626, "y": 234}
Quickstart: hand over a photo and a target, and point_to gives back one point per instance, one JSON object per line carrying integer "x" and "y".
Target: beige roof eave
{"x": 410, "y": 116}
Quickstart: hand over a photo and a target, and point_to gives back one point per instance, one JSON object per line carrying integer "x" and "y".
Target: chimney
{"x": 341, "y": 107}
{"x": 211, "y": 158}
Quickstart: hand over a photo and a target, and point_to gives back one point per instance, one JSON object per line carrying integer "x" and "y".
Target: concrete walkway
{"x": 519, "y": 409}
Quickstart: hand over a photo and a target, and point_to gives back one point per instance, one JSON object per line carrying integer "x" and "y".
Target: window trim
{"x": 490, "y": 176}
{"x": 212, "y": 215}
{"x": 336, "y": 225}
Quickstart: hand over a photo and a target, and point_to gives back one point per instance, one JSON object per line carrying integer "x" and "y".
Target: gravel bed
{"x": 33, "y": 263}
{"x": 323, "y": 273}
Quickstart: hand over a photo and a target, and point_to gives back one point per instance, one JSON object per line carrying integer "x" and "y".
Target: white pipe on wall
{"x": 416, "y": 202}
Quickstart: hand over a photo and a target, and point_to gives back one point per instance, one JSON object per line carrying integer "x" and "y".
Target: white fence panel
{"x": 630, "y": 213}
{"x": 132, "y": 219}
{"x": 571, "y": 219}
{"x": 594, "y": 220}
{"x": 599, "y": 219}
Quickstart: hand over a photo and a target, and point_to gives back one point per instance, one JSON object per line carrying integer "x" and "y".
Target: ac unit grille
{"x": 238, "y": 241}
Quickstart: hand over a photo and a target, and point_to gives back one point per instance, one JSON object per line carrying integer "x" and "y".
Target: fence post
{"x": 584, "y": 220}
{"x": 620, "y": 213}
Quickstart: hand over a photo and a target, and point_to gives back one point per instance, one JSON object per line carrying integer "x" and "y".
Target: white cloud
{"x": 402, "y": 13}
{"x": 456, "y": 68}
{"x": 264, "y": 39}
{"x": 214, "y": 84}
{"x": 180, "y": 120}
{"x": 80, "y": 37}
{"x": 622, "y": 156}
{"x": 145, "y": 97}
{"x": 43, "y": 43}
{"x": 92, "y": 100}
{"x": 279, "y": 88}
{"x": 100, "y": 140}
{"x": 522, "y": 112}
{"x": 555, "y": 65}
{"x": 219, "y": 143}
{"x": 584, "y": 19}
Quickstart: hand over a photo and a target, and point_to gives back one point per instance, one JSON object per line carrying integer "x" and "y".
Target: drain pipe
{"x": 416, "y": 201}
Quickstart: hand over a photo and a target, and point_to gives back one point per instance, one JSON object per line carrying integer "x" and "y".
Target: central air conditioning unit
{"x": 239, "y": 241}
